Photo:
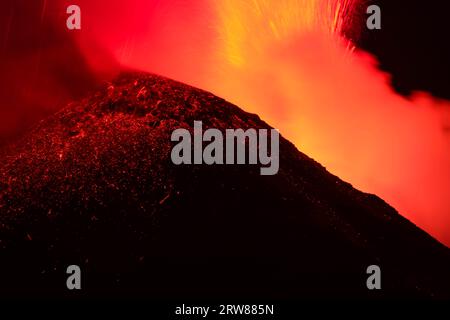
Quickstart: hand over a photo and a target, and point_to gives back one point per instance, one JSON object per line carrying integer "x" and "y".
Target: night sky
{"x": 413, "y": 45}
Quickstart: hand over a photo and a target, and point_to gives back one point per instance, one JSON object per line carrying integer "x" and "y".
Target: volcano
{"x": 94, "y": 185}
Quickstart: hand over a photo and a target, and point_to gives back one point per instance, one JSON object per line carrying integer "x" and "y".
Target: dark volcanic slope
{"x": 94, "y": 185}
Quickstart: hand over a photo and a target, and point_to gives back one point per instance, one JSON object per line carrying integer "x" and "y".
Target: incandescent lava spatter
{"x": 94, "y": 185}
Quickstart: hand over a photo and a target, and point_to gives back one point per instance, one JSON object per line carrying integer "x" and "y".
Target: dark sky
{"x": 413, "y": 44}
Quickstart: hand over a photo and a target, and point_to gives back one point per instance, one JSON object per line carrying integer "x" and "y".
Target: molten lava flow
{"x": 288, "y": 61}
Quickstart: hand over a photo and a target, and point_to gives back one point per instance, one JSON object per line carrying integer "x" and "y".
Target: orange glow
{"x": 287, "y": 61}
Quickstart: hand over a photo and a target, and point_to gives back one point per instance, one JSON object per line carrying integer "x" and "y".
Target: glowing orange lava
{"x": 287, "y": 61}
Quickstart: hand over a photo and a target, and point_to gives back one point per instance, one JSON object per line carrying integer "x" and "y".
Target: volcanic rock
{"x": 94, "y": 186}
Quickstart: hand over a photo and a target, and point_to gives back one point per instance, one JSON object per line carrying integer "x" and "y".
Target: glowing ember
{"x": 251, "y": 28}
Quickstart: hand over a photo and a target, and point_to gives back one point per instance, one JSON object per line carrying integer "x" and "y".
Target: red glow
{"x": 286, "y": 61}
